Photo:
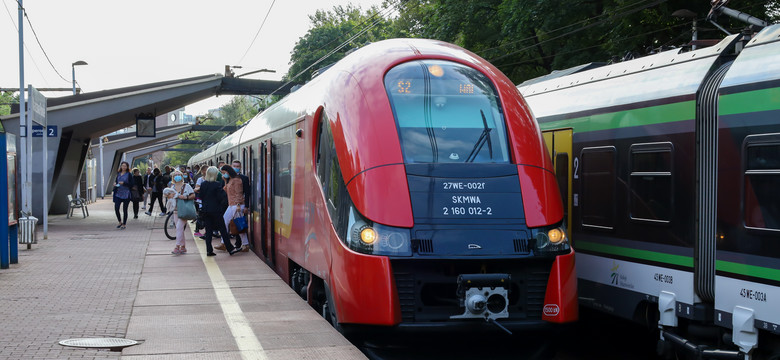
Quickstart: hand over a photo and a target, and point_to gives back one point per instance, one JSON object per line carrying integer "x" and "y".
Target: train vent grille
{"x": 423, "y": 246}
{"x": 521, "y": 246}
{"x": 536, "y": 289}
{"x": 404, "y": 283}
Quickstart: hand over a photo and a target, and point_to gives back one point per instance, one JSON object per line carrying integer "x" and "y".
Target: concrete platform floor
{"x": 89, "y": 279}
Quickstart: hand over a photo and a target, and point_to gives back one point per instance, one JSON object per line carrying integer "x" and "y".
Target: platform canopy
{"x": 84, "y": 117}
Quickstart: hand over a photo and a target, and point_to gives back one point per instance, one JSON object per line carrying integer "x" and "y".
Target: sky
{"x": 136, "y": 42}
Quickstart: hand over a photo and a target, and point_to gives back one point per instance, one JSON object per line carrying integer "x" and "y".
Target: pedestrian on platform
{"x": 183, "y": 192}
{"x": 122, "y": 186}
{"x": 147, "y": 187}
{"x": 201, "y": 176}
{"x": 158, "y": 184}
{"x": 167, "y": 176}
{"x": 136, "y": 191}
{"x": 247, "y": 190}
{"x": 235, "y": 193}
{"x": 219, "y": 167}
{"x": 211, "y": 194}
{"x": 196, "y": 173}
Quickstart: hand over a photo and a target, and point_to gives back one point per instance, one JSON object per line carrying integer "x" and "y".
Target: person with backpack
{"x": 212, "y": 195}
{"x": 158, "y": 184}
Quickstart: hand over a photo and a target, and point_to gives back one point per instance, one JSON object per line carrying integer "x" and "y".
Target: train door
{"x": 247, "y": 171}
{"x": 559, "y": 145}
{"x": 269, "y": 241}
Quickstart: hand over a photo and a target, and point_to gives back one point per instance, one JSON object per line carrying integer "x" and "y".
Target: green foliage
{"x": 530, "y": 38}
{"x": 6, "y": 99}
{"x": 329, "y": 30}
{"x": 238, "y": 111}
{"x": 141, "y": 165}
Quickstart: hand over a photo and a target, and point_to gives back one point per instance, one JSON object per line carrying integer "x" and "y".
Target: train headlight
{"x": 556, "y": 235}
{"x": 367, "y": 237}
{"x": 551, "y": 239}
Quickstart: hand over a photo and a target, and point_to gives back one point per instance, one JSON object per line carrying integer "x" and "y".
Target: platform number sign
{"x": 51, "y": 131}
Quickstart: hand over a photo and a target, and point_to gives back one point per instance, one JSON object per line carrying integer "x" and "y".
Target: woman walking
{"x": 235, "y": 193}
{"x": 183, "y": 192}
{"x": 122, "y": 186}
{"x": 157, "y": 189}
{"x": 210, "y": 193}
{"x": 136, "y": 191}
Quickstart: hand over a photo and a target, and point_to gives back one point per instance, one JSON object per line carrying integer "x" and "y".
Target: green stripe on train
{"x": 750, "y": 101}
{"x": 687, "y": 261}
{"x": 680, "y": 111}
{"x": 679, "y": 260}
{"x": 749, "y": 270}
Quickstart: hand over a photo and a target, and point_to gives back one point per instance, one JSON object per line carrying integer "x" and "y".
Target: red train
{"x": 408, "y": 187}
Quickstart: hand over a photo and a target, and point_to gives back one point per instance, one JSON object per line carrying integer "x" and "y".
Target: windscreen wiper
{"x": 483, "y": 138}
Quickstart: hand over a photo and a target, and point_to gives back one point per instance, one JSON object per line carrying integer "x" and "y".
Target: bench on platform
{"x": 75, "y": 204}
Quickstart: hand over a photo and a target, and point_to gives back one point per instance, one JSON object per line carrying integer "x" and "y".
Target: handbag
{"x": 185, "y": 209}
{"x": 134, "y": 195}
{"x": 237, "y": 226}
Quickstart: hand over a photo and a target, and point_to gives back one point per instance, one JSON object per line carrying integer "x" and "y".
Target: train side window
{"x": 762, "y": 181}
{"x": 329, "y": 174}
{"x": 598, "y": 187}
{"x": 650, "y": 183}
{"x": 282, "y": 170}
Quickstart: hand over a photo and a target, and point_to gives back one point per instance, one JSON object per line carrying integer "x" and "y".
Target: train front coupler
{"x": 484, "y": 296}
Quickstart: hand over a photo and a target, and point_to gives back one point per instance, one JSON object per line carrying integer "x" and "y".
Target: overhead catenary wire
{"x": 563, "y": 27}
{"x": 35, "y": 63}
{"x": 599, "y": 45}
{"x": 342, "y": 45}
{"x": 615, "y": 17}
{"x": 258, "y": 31}
{"x": 24, "y": 11}
{"x": 364, "y": 22}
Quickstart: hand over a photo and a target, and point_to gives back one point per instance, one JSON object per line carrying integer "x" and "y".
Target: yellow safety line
{"x": 245, "y": 337}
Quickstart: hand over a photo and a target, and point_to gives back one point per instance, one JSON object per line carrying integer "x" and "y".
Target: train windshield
{"x": 446, "y": 112}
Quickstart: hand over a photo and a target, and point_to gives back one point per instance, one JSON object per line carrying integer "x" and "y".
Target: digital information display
{"x": 472, "y": 198}
{"x": 440, "y": 87}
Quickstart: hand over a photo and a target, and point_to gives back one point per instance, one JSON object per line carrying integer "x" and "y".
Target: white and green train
{"x": 670, "y": 169}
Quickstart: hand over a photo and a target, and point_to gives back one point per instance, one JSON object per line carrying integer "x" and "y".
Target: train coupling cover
{"x": 483, "y": 296}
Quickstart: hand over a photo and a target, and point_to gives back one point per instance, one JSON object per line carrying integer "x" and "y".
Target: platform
{"x": 91, "y": 280}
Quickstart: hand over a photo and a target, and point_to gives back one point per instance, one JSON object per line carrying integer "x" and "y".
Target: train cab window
{"x": 446, "y": 112}
{"x": 329, "y": 172}
{"x": 762, "y": 181}
{"x": 282, "y": 170}
{"x": 598, "y": 187}
{"x": 650, "y": 182}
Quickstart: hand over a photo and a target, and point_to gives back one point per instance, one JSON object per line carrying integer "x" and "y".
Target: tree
{"x": 344, "y": 24}
{"x": 237, "y": 112}
{"x": 6, "y": 99}
{"x": 530, "y": 38}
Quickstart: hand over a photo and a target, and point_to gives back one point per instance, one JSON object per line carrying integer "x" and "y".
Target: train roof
{"x": 565, "y": 72}
{"x": 626, "y": 68}
{"x": 368, "y": 62}
{"x": 758, "y": 62}
{"x": 667, "y": 75}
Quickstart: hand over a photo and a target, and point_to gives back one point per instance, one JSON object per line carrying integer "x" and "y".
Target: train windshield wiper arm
{"x": 483, "y": 137}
